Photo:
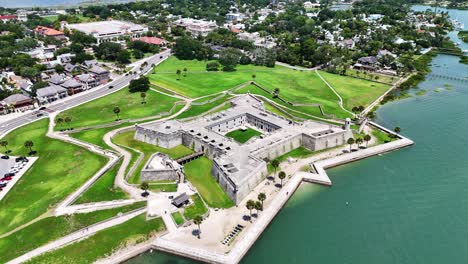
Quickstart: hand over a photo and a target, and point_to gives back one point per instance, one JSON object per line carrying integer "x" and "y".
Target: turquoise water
{"x": 408, "y": 206}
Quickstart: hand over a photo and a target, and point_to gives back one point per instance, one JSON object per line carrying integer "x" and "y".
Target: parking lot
{"x": 11, "y": 171}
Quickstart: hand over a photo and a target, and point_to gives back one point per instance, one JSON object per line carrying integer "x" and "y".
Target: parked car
{"x": 42, "y": 108}
{"x": 111, "y": 86}
{"x": 2, "y": 185}
{"x": 5, "y": 157}
{"x": 6, "y": 179}
{"x": 10, "y": 174}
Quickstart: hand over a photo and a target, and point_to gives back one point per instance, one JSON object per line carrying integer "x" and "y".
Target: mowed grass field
{"x": 52, "y": 228}
{"x": 101, "y": 244}
{"x": 299, "y": 87}
{"x": 355, "y": 92}
{"x": 100, "y": 111}
{"x": 60, "y": 170}
{"x": 126, "y": 139}
{"x": 242, "y": 136}
{"x": 198, "y": 172}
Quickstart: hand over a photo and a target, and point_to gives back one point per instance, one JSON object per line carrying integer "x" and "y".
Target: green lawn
{"x": 355, "y": 92}
{"x": 103, "y": 189}
{"x": 52, "y": 228}
{"x": 105, "y": 242}
{"x": 126, "y": 139}
{"x": 198, "y": 172}
{"x": 299, "y": 87}
{"x": 196, "y": 208}
{"x": 381, "y": 136}
{"x": 196, "y": 110}
{"x": 60, "y": 170}
{"x": 243, "y": 136}
{"x": 163, "y": 187}
{"x": 100, "y": 111}
{"x": 178, "y": 218}
{"x": 96, "y": 136}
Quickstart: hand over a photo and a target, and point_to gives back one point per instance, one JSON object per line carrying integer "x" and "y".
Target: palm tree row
{"x": 257, "y": 205}
{"x": 358, "y": 141}
{"x": 67, "y": 120}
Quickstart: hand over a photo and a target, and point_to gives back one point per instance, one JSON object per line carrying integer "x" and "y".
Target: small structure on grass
{"x": 181, "y": 200}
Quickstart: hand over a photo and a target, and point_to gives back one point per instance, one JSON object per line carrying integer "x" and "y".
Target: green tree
{"x": 4, "y": 144}
{"x": 141, "y": 84}
{"x": 275, "y": 164}
{"x": 282, "y": 176}
{"x": 397, "y": 130}
{"x": 198, "y": 220}
{"x": 367, "y": 138}
{"x": 178, "y": 72}
{"x": 29, "y": 144}
{"x": 185, "y": 72}
{"x": 359, "y": 141}
{"x": 143, "y": 96}
{"x": 261, "y": 197}
{"x": 229, "y": 58}
{"x": 138, "y": 54}
{"x": 350, "y": 142}
{"x": 250, "y": 206}
{"x": 68, "y": 121}
{"x": 59, "y": 121}
{"x": 258, "y": 206}
{"x": 116, "y": 111}
{"x": 144, "y": 186}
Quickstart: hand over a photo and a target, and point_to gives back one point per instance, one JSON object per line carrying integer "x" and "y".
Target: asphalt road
{"x": 79, "y": 99}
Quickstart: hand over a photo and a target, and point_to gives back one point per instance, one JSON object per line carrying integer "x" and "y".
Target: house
{"x": 26, "y": 86}
{"x": 234, "y": 17}
{"x": 310, "y": 5}
{"x": 180, "y": 200}
{"x": 348, "y": 43}
{"x": 49, "y": 32}
{"x": 7, "y": 18}
{"x": 87, "y": 80}
{"x": 196, "y": 27}
{"x": 69, "y": 68}
{"x": 101, "y": 74}
{"x": 383, "y": 53}
{"x": 57, "y": 79}
{"x": 73, "y": 86}
{"x": 19, "y": 102}
{"x": 152, "y": 41}
{"x": 367, "y": 63}
{"x": 50, "y": 94}
{"x": 65, "y": 58}
{"x": 87, "y": 64}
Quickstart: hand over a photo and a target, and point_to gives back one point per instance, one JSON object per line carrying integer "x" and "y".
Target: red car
{"x": 6, "y": 179}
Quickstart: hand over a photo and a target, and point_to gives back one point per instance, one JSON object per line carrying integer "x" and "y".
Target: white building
{"x": 196, "y": 27}
{"x": 111, "y": 30}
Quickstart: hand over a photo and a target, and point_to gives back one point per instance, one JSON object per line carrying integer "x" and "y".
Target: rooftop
{"x": 107, "y": 27}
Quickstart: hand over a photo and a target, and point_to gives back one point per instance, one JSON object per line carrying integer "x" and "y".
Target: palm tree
{"x": 117, "y": 111}
{"x": 367, "y": 138}
{"x": 261, "y": 197}
{"x": 198, "y": 220}
{"x": 59, "y": 121}
{"x": 359, "y": 141}
{"x": 29, "y": 144}
{"x": 143, "y": 96}
{"x": 4, "y": 144}
{"x": 350, "y": 142}
{"x": 275, "y": 163}
{"x": 282, "y": 175}
{"x": 276, "y": 92}
{"x": 250, "y": 206}
{"x": 254, "y": 76}
{"x": 68, "y": 121}
{"x": 144, "y": 186}
{"x": 178, "y": 72}
{"x": 258, "y": 206}
{"x": 185, "y": 72}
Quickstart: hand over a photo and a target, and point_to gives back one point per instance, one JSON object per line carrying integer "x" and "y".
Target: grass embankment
{"x": 105, "y": 242}
{"x": 300, "y": 87}
{"x": 381, "y": 136}
{"x": 196, "y": 208}
{"x": 243, "y": 136}
{"x": 178, "y": 218}
{"x": 52, "y": 228}
{"x": 355, "y": 92}
{"x": 196, "y": 110}
{"x": 96, "y": 136}
{"x": 103, "y": 189}
{"x": 198, "y": 172}
{"x": 163, "y": 187}
{"x": 298, "y": 153}
{"x": 60, "y": 170}
{"x": 100, "y": 111}
{"x": 127, "y": 139}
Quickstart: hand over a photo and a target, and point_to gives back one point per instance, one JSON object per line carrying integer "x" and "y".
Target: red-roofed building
{"x": 235, "y": 30}
{"x": 6, "y": 18}
{"x": 49, "y": 32}
{"x": 153, "y": 41}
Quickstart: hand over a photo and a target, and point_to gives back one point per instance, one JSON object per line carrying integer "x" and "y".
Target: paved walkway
{"x": 83, "y": 233}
